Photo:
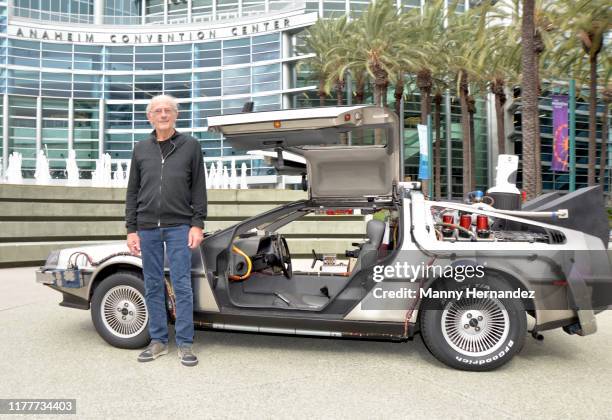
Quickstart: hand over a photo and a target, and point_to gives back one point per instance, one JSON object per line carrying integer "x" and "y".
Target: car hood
{"x": 349, "y": 151}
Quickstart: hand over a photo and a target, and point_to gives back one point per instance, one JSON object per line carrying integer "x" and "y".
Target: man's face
{"x": 162, "y": 116}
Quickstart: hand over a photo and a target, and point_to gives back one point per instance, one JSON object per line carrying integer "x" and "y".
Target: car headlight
{"x": 52, "y": 259}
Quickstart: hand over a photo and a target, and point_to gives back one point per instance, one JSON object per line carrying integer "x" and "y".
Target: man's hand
{"x": 195, "y": 237}
{"x": 133, "y": 243}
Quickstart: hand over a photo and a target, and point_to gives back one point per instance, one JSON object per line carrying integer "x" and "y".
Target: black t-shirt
{"x": 165, "y": 146}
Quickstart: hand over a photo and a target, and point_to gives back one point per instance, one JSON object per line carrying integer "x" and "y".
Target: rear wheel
{"x": 474, "y": 333}
{"x": 119, "y": 312}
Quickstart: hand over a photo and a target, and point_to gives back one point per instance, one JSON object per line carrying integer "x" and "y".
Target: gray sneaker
{"x": 155, "y": 349}
{"x": 186, "y": 355}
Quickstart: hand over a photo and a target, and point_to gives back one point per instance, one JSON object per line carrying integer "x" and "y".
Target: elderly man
{"x": 166, "y": 205}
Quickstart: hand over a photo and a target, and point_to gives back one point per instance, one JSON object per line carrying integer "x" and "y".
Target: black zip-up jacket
{"x": 166, "y": 191}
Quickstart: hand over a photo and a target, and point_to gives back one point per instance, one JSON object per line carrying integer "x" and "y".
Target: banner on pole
{"x": 423, "y": 152}
{"x": 560, "y": 134}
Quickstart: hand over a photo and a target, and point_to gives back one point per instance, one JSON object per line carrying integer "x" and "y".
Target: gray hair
{"x": 163, "y": 98}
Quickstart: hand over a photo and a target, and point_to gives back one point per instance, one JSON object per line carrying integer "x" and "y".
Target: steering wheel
{"x": 284, "y": 257}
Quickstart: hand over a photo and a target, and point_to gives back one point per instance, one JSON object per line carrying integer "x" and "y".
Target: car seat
{"x": 368, "y": 254}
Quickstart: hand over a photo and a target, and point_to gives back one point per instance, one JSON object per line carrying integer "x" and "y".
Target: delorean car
{"x": 473, "y": 277}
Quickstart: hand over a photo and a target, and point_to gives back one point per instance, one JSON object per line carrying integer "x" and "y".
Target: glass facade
{"x": 60, "y": 93}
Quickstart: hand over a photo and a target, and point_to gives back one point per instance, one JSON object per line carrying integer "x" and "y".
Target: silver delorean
{"x": 473, "y": 277}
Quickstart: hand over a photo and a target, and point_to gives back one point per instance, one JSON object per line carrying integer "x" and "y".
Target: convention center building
{"x": 77, "y": 75}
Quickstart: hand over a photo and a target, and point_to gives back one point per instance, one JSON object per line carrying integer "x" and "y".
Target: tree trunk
{"x": 465, "y": 126}
{"x": 360, "y": 85}
{"x": 497, "y": 88}
{"x": 399, "y": 92}
{"x": 472, "y": 111}
{"x": 538, "y": 141}
{"x": 437, "y": 148}
{"x": 322, "y": 94}
{"x": 339, "y": 86}
{"x": 603, "y": 158}
{"x": 592, "y": 120}
{"x": 529, "y": 97}
{"x": 424, "y": 83}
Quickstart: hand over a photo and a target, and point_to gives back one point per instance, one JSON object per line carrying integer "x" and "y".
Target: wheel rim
{"x": 124, "y": 312}
{"x": 475, "y": 327}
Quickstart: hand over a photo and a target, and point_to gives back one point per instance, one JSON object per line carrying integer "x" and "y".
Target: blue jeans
{"x": 179, "y": 258}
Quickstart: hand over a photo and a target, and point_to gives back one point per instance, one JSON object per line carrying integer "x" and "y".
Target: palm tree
{"x": 464, "y": 35}
{"x": 373, "y": 45}
{"x": 320, "y": 39}
{"x": 498, "y": 65}
{"x": 529, "y": 96}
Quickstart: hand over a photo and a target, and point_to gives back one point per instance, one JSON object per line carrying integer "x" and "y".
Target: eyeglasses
{"x": 159, "y": 111}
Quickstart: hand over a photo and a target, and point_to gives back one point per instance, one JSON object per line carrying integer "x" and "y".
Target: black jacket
{"x": 166, "y": 191}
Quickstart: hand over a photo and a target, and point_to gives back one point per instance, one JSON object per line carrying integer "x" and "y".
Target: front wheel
{"x": 475, "y": 333}
{"x": 119, "y": 312}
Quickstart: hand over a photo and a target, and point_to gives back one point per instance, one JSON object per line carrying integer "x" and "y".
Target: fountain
{"x": 233, "y": 180}
{"x": 41, "y": 174}
{"x": 243, "y": 177}
{"x": 225, "y": 179}
{"x": 72, "y": 169}
{"x": 13, "y": 172}
{"x": 101, "y": 177}
{"x": 212, "y": 176}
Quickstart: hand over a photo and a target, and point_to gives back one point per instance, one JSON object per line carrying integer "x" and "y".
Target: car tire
{"x": 119, "y": 312}
{"x": 477, "y": 334}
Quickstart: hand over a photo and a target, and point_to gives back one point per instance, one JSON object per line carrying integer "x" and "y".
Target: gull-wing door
{"x": 349, "y": 151}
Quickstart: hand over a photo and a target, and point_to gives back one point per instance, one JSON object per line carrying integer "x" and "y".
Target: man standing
{"x": 166, "y": 204}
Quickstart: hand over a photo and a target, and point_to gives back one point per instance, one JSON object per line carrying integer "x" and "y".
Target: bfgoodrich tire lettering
{"x": 474, "y": 334}
{"x": 118, "y": 311}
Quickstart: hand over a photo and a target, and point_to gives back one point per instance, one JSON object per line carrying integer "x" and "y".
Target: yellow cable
{"x": 249, "y": 264}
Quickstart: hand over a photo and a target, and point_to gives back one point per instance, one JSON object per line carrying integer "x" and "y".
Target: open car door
{"x": 350, "y": 151}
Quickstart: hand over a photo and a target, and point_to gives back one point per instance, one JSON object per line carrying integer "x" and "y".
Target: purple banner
{"x": 560, "y": 133}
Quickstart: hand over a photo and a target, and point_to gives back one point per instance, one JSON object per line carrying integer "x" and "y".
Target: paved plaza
{"x": 53, "y": 352}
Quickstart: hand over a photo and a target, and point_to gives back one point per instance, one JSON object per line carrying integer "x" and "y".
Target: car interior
{"x": 262, "y": 272}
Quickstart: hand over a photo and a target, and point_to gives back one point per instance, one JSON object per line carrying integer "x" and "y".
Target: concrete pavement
{"x": 54, "y": 352}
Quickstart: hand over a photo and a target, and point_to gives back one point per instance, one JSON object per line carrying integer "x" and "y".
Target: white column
{"x": 320, "y": 8}
{"x": 98, "y": 12}
{"x": 214, "y": 10}
{"x": 286, "y": 69}
{"x": 5, "y": 133}
{"x": 143, "y": 11}
{"x": 239, "y": 8}
{"x": 166, "y": 11}
{"x": 267, "y": 5}
{"x": 38, "y": 134}
{"x": 189, "y": 11}
{"x": 449, "y": 145}
{"x": 70, "y": 124}
{"x": 101, "y": 125}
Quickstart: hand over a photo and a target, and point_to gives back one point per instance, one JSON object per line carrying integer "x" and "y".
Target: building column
{"x": 39, "y": 124}
{"x": 101, "y": 126}
{"x": 286, "y": 69}
{"x": 267, "y": 6}
{"x": 5, "y": 133}
{"x": 166, "y": 11}
{"x": 189, "y": 11}
{"x": 492, "y": 147}
{"x": 449, "y": 146}
{"x": 143, "y": 12}
{"x": 98, "y": 12}
{"x": 214, "y": 10}
{"x": 240, "y": 5}
{"x": 70, "y": 124}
